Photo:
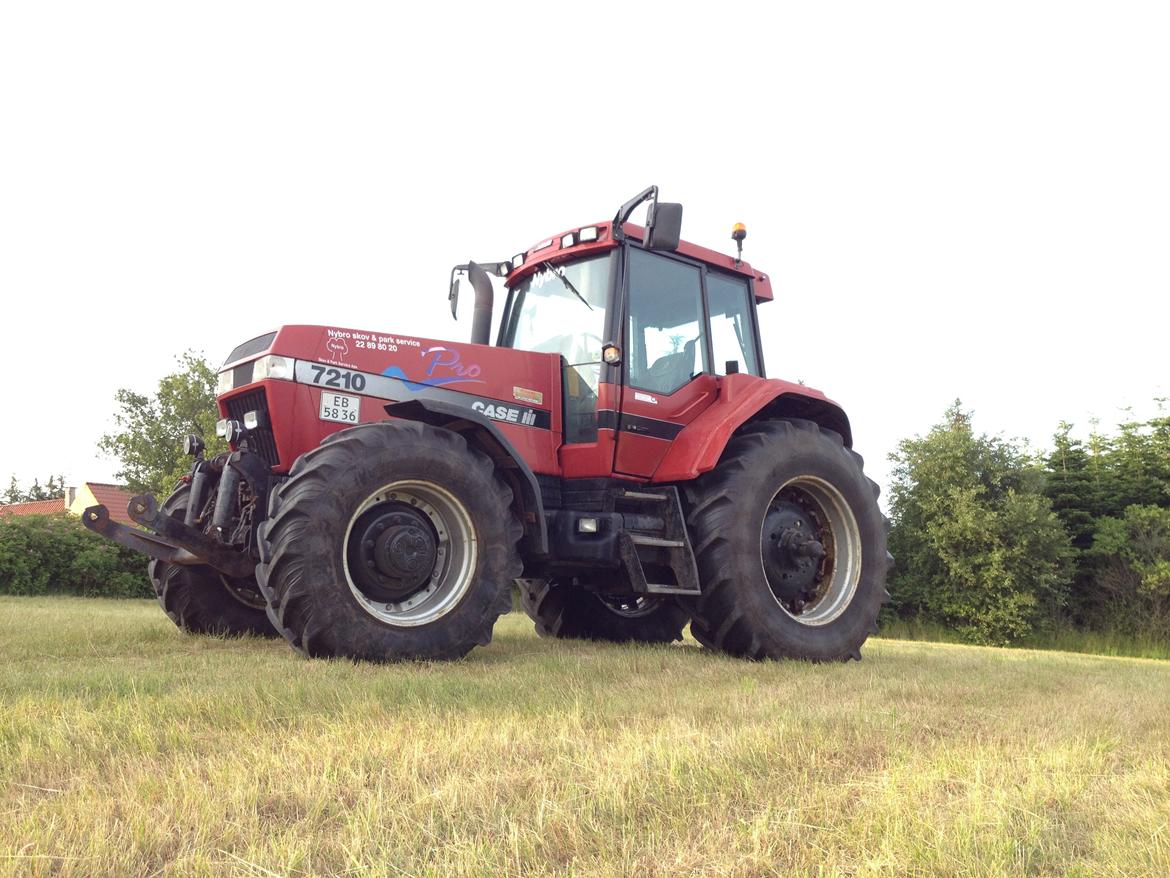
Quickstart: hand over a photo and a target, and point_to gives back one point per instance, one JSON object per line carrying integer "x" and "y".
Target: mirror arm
{"x": 499, "y": 269}
{"x": 626, "y": 209}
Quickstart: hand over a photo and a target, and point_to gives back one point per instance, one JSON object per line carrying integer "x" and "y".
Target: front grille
{"x": 261, "y": 440}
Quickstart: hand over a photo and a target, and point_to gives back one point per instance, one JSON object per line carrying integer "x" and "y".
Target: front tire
{"x": 199, "y": 599}
{"x": 571, "y": 611}
{"x": 390, "y": 541}
{"x": 790, "y": 546}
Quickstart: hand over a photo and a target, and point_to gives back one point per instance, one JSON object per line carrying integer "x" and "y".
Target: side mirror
{"x": 453, "y": 295}
{"x": 664, "y": 226}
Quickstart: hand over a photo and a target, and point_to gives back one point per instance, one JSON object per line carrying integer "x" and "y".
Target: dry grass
{"x": 127, "y": 748}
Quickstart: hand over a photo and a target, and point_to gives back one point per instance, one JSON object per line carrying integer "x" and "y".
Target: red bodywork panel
{"x": 508, "y": 386}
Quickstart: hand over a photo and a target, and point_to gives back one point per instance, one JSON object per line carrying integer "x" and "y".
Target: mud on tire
{"x": 390, "y": 541}
{"x": 788, "y": 496}
{"x": 199, "y": 600}
{"x": 570, "y": 611}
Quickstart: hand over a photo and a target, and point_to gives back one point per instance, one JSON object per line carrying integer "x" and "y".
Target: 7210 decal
{"x": 327, "y": 376}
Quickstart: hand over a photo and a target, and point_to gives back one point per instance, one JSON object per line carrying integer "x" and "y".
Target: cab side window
{"x": 665, "y": 322}
{"x": 732, "y": 337}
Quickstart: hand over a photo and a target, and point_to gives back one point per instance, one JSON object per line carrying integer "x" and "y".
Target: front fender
{"x": 486, "y": 436}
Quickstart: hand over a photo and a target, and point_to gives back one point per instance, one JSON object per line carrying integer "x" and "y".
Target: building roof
{"x": 115, "y": 498}
{"x": 34, "y": 507}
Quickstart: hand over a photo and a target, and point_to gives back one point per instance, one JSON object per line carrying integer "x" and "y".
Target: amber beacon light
{"x": 738, "y": 233}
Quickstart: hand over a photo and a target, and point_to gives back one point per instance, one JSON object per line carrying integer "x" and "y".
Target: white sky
{"x": 964, "y": 200}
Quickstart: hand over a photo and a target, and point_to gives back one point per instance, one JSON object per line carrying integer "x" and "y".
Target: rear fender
{"x": 486, "y": 436}
{"x": 742, "y": 399}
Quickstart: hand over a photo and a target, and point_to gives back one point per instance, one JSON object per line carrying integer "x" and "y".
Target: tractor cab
{"x": 646, "y": 326}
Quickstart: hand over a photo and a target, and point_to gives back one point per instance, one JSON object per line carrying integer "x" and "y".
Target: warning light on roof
{"x": 738, "y": 233}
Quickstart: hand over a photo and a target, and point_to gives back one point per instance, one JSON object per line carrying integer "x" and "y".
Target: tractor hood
{"x": 501, "y": 383}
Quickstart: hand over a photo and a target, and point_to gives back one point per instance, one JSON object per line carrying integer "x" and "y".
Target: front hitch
{"x": 172, "y": 540}
{"x": 97, "y": 519}
{"x": 144, "y": 509}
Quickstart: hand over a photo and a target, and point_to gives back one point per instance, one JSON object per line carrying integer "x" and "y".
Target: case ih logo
{"x": 443, "y": 367}
{"x": 337, "y": 347}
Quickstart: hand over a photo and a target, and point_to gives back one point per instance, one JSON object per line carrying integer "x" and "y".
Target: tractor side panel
{"x": 594, "y": 460}
{"x": 649, "y": 423}
{"x": 518, "y": 390}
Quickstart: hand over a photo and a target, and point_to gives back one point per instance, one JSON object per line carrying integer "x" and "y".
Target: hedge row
{"x": 55, "y": 554}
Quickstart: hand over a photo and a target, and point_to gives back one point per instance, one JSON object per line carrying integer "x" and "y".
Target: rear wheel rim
{"x": 836, "y": 532}
{"x": 629, "y": 607}
{"x": 454, "y": 551}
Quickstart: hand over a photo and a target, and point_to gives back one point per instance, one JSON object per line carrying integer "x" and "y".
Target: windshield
{"x": 561, "y": 310}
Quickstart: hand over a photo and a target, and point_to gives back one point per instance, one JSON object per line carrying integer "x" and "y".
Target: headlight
{"x": 273, "y": 366}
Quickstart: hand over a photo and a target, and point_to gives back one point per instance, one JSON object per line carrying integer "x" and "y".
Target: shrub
{"x": 977, "y": 546}
{"x": 55, "y": 554}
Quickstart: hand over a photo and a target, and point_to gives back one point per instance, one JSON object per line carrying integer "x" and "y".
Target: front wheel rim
{"x": 455, "y": 551}
{"x": 834, "y": 582}
{"x": 245, "y": 592}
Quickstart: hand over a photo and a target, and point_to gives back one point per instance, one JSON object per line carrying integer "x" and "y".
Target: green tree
{"x": 1138, "y": 465}
{"x": 1071, "y": 487}
{"x": 53, "y": 489}
{"x": 1074, "y": 491}
{"x": 150, "y": 429}
{"x": 978, "y": 546}
{"x": 1132, "y": 572}
{"x": 1093, "y": 489}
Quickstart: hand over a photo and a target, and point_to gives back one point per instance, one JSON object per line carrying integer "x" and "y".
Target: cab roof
{"x": 569, "y": 244}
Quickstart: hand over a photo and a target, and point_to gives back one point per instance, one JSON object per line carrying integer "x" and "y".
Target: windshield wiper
{"x": 548, "y": 266}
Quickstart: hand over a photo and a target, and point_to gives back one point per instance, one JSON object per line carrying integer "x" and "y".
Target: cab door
{"x": 668, "y": 378}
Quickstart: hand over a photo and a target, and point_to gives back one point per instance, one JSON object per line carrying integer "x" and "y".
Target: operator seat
{"x": 672, "y": 371}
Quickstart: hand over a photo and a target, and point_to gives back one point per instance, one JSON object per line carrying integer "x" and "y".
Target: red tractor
{"x": 618, "y": 451}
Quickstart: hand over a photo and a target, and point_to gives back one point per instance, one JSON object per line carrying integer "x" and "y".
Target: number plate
{"x": 340, "y": 407}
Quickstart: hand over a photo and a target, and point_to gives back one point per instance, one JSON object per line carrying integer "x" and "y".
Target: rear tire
{"x": 790, "y": 546}
{"x": 569, "y": 611}
{"x": 199, "y": 599}
{"x": 390, "y": 541}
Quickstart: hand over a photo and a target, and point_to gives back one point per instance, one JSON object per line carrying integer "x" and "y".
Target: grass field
{"x": 127, "y": 748}
{"x": 1063, "y": 639}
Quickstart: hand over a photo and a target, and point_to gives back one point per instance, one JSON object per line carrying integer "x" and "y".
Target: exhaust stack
{"x": 481, "y": 314}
